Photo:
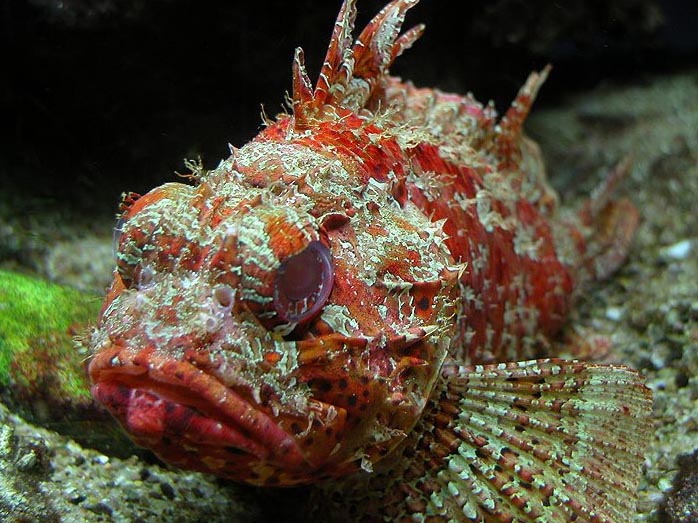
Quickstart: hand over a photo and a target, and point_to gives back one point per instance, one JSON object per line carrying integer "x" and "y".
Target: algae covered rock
{"x": 37, "y": 323}
{"x": 42, "y": 374}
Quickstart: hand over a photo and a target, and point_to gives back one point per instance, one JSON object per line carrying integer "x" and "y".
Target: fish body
{"x": 359, "y": 292}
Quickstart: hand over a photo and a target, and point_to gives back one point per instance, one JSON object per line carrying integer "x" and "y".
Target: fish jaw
{"x": 190, "y": 419}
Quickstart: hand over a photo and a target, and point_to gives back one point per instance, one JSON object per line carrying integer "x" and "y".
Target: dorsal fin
{"x": 508, "y": 137}
{"x": 351, "y": 75}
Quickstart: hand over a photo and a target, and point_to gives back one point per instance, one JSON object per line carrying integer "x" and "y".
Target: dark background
{"x": 99, "y": 97}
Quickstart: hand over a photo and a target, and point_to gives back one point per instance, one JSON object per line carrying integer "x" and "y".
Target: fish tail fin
{"x": 598, "y": 237}
{"x": 545, "y": 440}
{"x": 351, "y": 75}
{"x": 613, "y": 223}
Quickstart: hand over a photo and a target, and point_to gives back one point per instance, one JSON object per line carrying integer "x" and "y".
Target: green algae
{"x": 38, "y": 321}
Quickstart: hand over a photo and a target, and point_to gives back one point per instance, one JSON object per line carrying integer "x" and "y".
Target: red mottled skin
{"x": 287, "y": 318}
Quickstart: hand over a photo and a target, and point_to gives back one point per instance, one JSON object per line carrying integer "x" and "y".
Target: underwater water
{"x": 105, "y": 98}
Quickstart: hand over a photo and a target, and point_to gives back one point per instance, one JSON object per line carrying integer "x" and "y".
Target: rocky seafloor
{"x": 649, "y": 310}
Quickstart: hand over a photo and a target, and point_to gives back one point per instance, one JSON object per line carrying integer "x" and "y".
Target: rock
{"x": 682, "y": 503}
{"x": 42, "y": 373}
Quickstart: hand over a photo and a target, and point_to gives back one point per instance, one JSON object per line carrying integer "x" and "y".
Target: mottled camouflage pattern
{"x": 308, "y": 310}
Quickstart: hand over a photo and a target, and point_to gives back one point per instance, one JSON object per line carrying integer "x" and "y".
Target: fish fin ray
{"x": 613, "y": 223}
{"x": 351, "y": 76}
{"x": 507, "y": 137}
{"x": 545, "y": 440}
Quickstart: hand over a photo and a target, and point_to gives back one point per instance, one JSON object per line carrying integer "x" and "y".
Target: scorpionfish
{"x": 366, "y": 296}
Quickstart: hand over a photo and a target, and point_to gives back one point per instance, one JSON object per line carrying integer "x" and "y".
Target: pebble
{"x": 678, "y": 251}
{"x": 614, "y": 313}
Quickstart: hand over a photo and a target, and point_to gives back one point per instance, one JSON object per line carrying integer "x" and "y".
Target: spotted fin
{"x": 352, "y": 75}
{"x": 547, "y": 440}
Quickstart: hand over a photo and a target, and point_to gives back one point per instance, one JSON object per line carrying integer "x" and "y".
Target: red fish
{"x": 358, "y": 294}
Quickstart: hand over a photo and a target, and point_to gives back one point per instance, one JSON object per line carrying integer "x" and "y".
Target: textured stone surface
{"x": 682, "y": 502}
{"x": 47, "y": 477}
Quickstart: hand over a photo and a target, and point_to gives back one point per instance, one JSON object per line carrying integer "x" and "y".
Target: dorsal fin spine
{"x": 302, "y": 90}
{"x": 351, "y": 75}
{"x": 334, "y": 70}
{"x": 510, "y": 128}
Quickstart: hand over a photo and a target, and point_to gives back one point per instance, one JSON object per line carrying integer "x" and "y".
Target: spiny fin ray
{"x": 518, "y": 443}
{"x": 352, "y": 75}
{"x": 506, "y": 143}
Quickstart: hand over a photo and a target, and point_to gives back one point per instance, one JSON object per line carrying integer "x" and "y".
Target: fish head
{"x": 273, "y": 333}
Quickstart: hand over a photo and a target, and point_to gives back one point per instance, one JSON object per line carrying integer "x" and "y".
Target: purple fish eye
{"x": 303, "y": 283}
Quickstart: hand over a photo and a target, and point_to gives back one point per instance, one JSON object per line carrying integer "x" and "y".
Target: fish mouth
{"x": 189, "y": 418}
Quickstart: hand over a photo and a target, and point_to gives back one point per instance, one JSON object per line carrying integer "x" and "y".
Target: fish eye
{"x": 303, "y": 283}
{"x": 280, "y": 260}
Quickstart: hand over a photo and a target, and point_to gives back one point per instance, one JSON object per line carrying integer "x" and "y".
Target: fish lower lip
{"x": 151, "y": 418}
{"x": 169, "y": 403}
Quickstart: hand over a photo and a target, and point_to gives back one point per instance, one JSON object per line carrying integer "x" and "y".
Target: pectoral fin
{"x": 549, "y": 441}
